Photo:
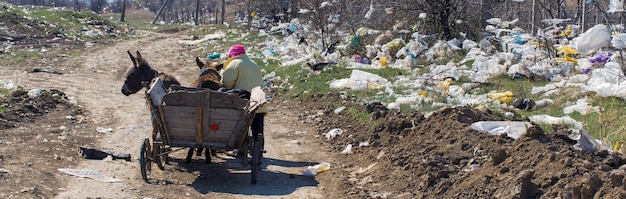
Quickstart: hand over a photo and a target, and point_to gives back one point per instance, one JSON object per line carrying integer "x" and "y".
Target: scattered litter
{"x": 32, "y": 93}
{"x": 524, "y": 104}
{"x": 543, "y": 103}
{"x": 364, "y": 144}
{"x": 513, "y": 129}
{"x": 109, "y": 158}
{"x": 339, "y": 109}
{"x": 394, "y": 106}
{"x": 39, "y": 70}
{"x": 367, "y": 170}
{"x": 214, "y": 56}
{"x": 214, "y": 36}
{"x": 95, "y": 154}
{"x": 3, "y": 171}
{"x": 318, "y": 168}
{"x": 88, "y": 173}
{"x": 332, "y": 133}
{"x": 582, "y": 107}
{"x": 586, "y": 142}
{"x": 546, "y": 119}
{"x": 472, "y": 167}
{"x": 7, "y": 85}
{"x": 348, "y": 149}
{"x": 104, "y": 130}
{"x": 269, "y": 75}
{"x": 504, "y": 97}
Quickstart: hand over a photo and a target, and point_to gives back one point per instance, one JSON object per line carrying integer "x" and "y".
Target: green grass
{"x": 607, "y": 125}
{"x": 65, "y": 20}
{"x": 521, "y": 88}
{"x": 3, "y": 93}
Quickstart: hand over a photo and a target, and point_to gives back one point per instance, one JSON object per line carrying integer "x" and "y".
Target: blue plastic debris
{"x": 291, "y": 28}
{"x": 214, "y": 56}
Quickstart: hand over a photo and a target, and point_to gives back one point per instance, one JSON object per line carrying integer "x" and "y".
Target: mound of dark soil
{"x": 39, "y": 134}
{"x": 21, "y": 107}
{"x": 441, "y": 156}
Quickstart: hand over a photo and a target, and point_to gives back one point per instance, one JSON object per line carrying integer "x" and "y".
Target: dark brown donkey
{"x": 141, "y": 72}
{"x": 209, "y": 77}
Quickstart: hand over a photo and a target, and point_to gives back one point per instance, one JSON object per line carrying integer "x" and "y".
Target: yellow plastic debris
{"x": 395, "y": 44}
{"x": 537, "y": 44}
{"x": 567, "y": 51}
{"x": 566, "y": 32}
{"x": 504, "y": 97}
{"x": 383, "y": 61}
{"x": 617, "y": 145}
{"x": 423, "y": 93}
{"x": 445, "y": 85}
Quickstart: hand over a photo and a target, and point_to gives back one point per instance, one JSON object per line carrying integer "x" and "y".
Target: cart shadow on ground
{"x": 226, "y": 174}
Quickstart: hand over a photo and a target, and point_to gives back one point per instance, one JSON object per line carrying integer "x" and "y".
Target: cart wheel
{"x": 162, "y": 159}
{"x": 162, "y": 150}
{"x": 256, "y": 158}
{"x": 145, "y": 157}
{"x": 246, "y": 148}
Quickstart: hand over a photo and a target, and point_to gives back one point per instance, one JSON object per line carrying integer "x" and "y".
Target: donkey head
{"x": 139, "y": 72}
{"x": 209, "y": 77}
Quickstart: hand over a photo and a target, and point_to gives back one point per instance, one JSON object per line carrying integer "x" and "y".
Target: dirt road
{"x": 95, "y": 79}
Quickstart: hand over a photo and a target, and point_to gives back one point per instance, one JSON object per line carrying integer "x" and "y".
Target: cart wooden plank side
{"x": 184, "y": 117}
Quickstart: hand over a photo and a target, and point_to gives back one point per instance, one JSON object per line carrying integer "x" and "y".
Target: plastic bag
{"x": 316, "y": 169}
{"x": 332, "y": 133}
{"x": 619, "y": 41}
{"x": 546, "y": 119}
{"x": 512, "y": 129}
{"x": 504, "y": 97}
{"x": 595, "y": 38}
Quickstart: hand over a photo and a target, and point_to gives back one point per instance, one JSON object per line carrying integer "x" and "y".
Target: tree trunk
{"x": 123, "y": 17}
{"x": 223, "y": 10}
{"x": 195, "y": 18}
{"x": 159, "y": 12}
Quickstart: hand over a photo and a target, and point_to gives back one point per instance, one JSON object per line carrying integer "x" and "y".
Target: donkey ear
{"x": 132, "y": 58}
{"x": 139, "y": 56}
{"x": 219, "y": 66}
{"x": 199, "y": 62}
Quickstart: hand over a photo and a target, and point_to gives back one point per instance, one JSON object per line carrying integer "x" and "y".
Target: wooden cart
{"x": 186, "y": 117}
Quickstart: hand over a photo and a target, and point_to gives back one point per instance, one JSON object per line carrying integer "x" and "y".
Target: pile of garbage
{"x": 36, "y": 27}
{"x": 562, "y": 54}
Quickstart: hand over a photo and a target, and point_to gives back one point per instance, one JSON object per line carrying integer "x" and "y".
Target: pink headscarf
{"x": 235, "y": 50}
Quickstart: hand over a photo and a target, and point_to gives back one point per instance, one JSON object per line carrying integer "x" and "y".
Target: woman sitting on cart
{"x": 240, "y": 72}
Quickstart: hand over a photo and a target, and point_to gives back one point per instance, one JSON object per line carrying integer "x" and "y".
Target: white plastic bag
{"x": 318, "y": 168}
{"x": 332, "y": 133}
{"x": 512, "y": 129}
{"x": 546, "y": 119}
{"x": 619, "y": 41}
{"x": 595, "y": 38}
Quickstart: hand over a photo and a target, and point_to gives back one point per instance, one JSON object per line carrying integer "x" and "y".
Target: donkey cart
{"x": 200, "y": 118}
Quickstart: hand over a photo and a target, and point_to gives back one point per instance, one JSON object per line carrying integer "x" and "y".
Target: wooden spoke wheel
{"x": 256, "y": 158}
{"x": 145, "y": 159}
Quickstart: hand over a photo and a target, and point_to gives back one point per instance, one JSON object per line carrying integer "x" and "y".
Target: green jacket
{"x": 240, "y": 72}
